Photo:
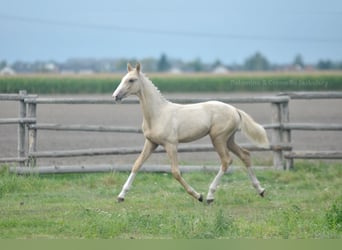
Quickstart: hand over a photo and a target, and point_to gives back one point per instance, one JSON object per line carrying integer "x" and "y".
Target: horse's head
{"x": 130, "y": 83}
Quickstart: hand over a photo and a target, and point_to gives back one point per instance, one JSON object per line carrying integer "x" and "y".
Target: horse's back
{"x": 220, "y": 108}
{"x": 194, "y": 121}
{"x": 224, "y": 118}
{"x": 207, "y": 112}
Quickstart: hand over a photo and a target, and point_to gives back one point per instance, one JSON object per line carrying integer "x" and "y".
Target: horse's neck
{"x": 151, "y": 100}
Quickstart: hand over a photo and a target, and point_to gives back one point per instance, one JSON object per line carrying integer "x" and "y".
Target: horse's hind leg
{"x": 222, "y": 150}
{"x": 244, "y": 155}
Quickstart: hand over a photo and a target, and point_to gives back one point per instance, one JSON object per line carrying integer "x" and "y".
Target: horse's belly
{"x": 192, "y": 132}
{"x": 190, "y": 138}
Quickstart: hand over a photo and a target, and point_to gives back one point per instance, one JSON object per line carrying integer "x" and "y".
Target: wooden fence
{"x": 280, "y": 127}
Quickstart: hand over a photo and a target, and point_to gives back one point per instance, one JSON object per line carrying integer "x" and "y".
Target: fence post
{"x": 277, "y": 135}
{"x": 286, "y": 133}
{"x": 32, "y": 113}
{"x": 21, "y": 127}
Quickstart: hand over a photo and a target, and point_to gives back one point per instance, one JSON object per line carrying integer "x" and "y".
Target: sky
{"x": 225, "y": 30}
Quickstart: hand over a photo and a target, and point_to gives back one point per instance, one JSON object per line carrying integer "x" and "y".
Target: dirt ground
{"x": 317, "y": 111}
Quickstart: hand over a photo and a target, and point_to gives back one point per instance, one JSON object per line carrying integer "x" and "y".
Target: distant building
{"x": 7, "y": 71}
{"x": 67, "y": 72}
{"x": 86, "y": 72}
{"x": 175, "y": 71}
{"x": 220, "y": 70}
{"x": 50, "y": 68}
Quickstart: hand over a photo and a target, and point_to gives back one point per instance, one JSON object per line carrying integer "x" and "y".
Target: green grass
{"x": 301, "y": 204}
{"x": 59, "y": 84}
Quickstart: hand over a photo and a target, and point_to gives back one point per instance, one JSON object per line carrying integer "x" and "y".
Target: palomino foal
{"x": 168, "y": 124}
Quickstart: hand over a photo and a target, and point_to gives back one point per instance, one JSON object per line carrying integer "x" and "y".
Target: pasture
{"x": 302, "y": 204}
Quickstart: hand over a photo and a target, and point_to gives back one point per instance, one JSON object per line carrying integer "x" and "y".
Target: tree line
{"x": 255, "y": 62}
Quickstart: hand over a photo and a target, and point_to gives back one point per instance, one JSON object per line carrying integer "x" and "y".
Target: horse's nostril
{"x": 118, "y": 97}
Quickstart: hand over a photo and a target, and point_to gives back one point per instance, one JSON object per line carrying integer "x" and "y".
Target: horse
{"x": 168, "y": 124}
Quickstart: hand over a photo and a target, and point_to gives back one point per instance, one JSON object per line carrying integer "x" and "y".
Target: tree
{"x": 196, "y": 65}
{"x": 121, "y": 65}
{"x": 163, "y": 64}
{"x": 257, "y": 62}
{"x": 3, "y": 64}
{"x": 298, "y": 61}
{"x": 149, "y": 64}
{"x": 325, "y": 64}
{"x": 216, "y": 64}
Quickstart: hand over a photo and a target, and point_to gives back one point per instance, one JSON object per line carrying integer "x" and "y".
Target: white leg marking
{"x": 127, "y": 186}
{"x": 214, "y": 184}
{"x": 254, "y": 180}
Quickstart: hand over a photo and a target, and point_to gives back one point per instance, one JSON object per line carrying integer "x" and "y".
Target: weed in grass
{"x": 334, "y": 215}
{"x": 12, "y": 184}
{"x": 223, "y": 223}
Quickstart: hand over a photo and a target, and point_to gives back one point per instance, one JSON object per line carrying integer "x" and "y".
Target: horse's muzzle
{"x": 118, "y": 97}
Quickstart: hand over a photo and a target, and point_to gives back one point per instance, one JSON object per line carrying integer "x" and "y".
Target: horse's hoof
{"x": 209, "y": 201}
{"x": 262, "y": 194}
{"x": 200, "y": 198}
{"x": 120, "y": 199}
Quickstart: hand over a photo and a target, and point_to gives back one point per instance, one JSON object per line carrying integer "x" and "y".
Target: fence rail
{"x": 102, "y": 128}
{"x": 17, "y": 120}
{"x": 259, "y": 99}
{"x": 280, "y": 127}
{"x": 131, "y": 150}
{"x": 312, "y": 95}
{"x": 84, "y": 128}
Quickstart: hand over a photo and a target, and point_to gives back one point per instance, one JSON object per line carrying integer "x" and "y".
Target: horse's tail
{"x": 254, "y": 131}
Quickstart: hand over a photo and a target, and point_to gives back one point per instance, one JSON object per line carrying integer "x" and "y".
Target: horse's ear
{"x": 138, "y": 67}
{"x": 129, "y": 67}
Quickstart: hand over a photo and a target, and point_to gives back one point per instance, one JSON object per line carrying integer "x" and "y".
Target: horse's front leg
{"x": 171, "y": 150}
{"x": 149, "y": 147}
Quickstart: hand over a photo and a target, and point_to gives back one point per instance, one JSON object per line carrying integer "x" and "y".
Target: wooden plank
{"x": 286, "y": 134}
{"x": 127, "y": 151}
{"x": 21, "y": 127}
{"x": 32, "y": 133}
{"x": 276, "y": 135}
{"x": 119, "y": 168}
{"x": 17, "y": 120}
{"x": 314, "y": 155}
{"x": 109, "y": 168}
{"x": 101, "y": 128}
{"x": 81, "y": 127}
{"x": 313, "y": 126}
{"x": 85, "y": 152}
{"x": 258, "y": 99}
{"x": 10, "y": 97}
{"x": 46, "y": 100}
{"x": 313, "y": 95}
{"x": 14, "y": 97}
{"x": 12, "y": 159}
{"x": 272, "y": 126}
{"x": 108, "y": 151}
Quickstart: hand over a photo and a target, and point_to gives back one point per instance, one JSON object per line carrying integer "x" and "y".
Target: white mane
{"x": 149, "y": 84}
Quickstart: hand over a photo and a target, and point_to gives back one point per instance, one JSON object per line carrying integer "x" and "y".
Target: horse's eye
{"x": 131, "y": 80}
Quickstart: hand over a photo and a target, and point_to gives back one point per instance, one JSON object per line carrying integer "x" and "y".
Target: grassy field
{"x": 248, "y": 82}
{"x": 304, "y": 203}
